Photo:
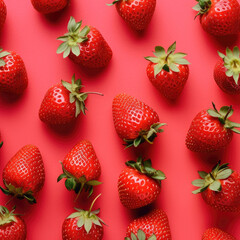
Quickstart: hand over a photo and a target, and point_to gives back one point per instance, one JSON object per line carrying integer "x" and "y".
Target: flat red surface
{"x": 33, "y": 36}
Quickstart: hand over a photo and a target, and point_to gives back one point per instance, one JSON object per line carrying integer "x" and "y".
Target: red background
{"x": 33, "y": 36}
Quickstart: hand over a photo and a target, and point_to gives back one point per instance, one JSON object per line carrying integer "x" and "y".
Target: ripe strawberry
{"x": 12, "y": 226}
{"x": 84, "y": 225}
{"x": 211, "y": 130}
{"x": 216, "y": 234}
{"x": 153, "y": 226}
{"x": 13, "y": 75}
{"x": 46, "y": 6}
{"x": 3, "y": 13}
{"x": 219, "y": 17}
{"x": 168, "y": 71}
{"x": 220, "y": 188}
{"x": 139, "y": 184}
{"x": 85, "y": 46}
{"x": 24, "y": 174}
{"x": 227, "y": 70}
{"x": 81, "y": 168}
{"x": 134, "y": 121}
{"x": 136, "y": 13}
{"x": 63, "y": 103}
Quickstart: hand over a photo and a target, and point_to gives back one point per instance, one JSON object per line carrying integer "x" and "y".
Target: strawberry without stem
{"x": 216, "y": 234}
{"x": 3, "y": 13}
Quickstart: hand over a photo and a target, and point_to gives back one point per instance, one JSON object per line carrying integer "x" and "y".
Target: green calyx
{"x": 141, "y": 236}
{"x": 77, "y": 184}
{"x": 146, "y": 168}
{"x": 167, "y": 60}
{"x": 202, "y": 7}
{"x": 76, "y": 96}
{"x": 2, "y": 55}
{"x": 223, "y": 114}
{"x": 87, "y": 218}
{"x": 6, "y": 216}
{"x": 232, "y": 63}
{"x": 1, "y": 143}
{"x": 213, "y": 179}
{"x": 73, "y": 38}
{"x": 145, "y": 135}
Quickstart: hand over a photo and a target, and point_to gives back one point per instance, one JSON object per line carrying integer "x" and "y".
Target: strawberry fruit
{"x": 211, "y": 130}
{"x": 85, "y": 46}
{"x": 227, "y": 70}
{"x": 63, "y": 103}
{"x": 152, "y": 226}
{"x": 12, "y": 226}
{"x": 3, "y": 13}
{"x": 81, "y": 168}
{"x": 168, "y": 71}
{"x": 220, "y": 188}
{"x": 139, "y": 184}
{"x": 216, "y": 234}
{"x": 13, "y": 75}
{"x": 219, "y": 17}
{"x": 24, "y": 174}
{"x": 134, "y": 121}
{"x": 136, "y": 13}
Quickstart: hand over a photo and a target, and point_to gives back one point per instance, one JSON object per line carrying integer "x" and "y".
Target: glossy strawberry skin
{"x": 169, "y": 84}
{"x": 154, "y": 222}
{"x": 223, "y": 18}
{"x": 95, "y": 52}
{"x": 216, "y": 234}
{"x": 207, "y": 134}
{"x": 25, "y": 170}
{"x": 13, "y": 75}
{"x": 49, "y": 6}
{"x": 227, "y": 84}
{"x": 3, "y": 13}
{"x": 228, "y": 199}
{"x": 131, "y": 116}
{"x": 136, "y": 13}
{"x": 70, "y": 231}
{"x": 14, "y": 230}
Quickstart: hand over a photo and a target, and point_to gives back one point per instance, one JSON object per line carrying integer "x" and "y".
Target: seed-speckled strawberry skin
{"x": 3, "y": 13}
{"x": 216, "y": 234}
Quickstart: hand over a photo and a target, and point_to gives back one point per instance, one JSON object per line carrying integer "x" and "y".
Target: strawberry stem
{"x": 229, "y": 110}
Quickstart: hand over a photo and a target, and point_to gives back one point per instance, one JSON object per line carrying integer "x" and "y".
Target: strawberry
{"x": 168, "y": 71}
{"x": 12, "y": 226}
{"x": 134, "y": 121}
{"x": 84, "y": 225}
{"x": 216, "y": 234}
{"x": 139, "y": 184}
{"x": 85, "y": 46}
{"x": 81, "y": 168}
{"x": 13, "y": 75}
{"x": 24, "y": 174}
{"x": 153, "y": 226}
{"x": 227, "y": 70}
{"x": 136, "y": 13}
{"x": 3, "y": 13}
{"x": 211, "y": 130}
{"x": 220, "y": 188}
{"x": 63, "y": 103}
{"x": 49, "y": 6}
{"x": 219, "y": 17}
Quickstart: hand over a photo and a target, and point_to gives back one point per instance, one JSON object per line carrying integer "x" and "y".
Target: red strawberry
{"x": 136, "y": 13}
{"x": 84, "y": 225}
{"x": 63, "y": 103}
{"x": 3, "y": 13}
{"x": 227, "y": 70}
{"x": 154, "y": 226}
{"x": 219, "y": 17}
{"x": 24, "y": 174}
{"x": 220, "y": 188}
{"x": 139, "y": 184}
{"x": 85, "y": 46}
{"x": 49, "y": 6}
{"x": 12, "y": 226}
{"x": 134, "y": 121}
{"x": 168, "y": 71}
{"x": 13, "y": 75}
{"x": 216, "y": 234}
{"x": 81, "y": 168}
{"x": 211, "y": 130}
